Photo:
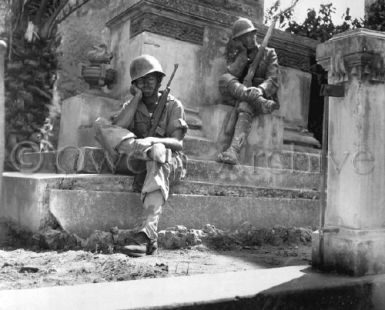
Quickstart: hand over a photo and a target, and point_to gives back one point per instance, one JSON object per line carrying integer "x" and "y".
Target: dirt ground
{"x": 23, "y": 268}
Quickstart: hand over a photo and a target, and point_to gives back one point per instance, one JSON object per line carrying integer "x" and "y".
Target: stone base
{"x": 81, "y": 203}
{"x": 79, "y": 113}
{"x": 266, "y": 132}
{"x": 300, "y": 138}
{"x": 353, "y": 252}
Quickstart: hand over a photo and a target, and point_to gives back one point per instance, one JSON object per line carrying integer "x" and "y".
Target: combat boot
{"x": 138, "y": 246}
{"x": 242, "y": 128}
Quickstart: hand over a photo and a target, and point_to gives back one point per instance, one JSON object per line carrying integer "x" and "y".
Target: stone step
{"x": 196, "y": 148}
{"x": 82, "y": 203}
{"x": 211, "y": 189}
{"x": 82, "y": 212}
{"x": 121, "y": 183}
{"x": 240, "y": 175}
{"x": 286, "y": 158}
{"x": 197, "y": 170}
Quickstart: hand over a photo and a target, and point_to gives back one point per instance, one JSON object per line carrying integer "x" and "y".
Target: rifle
{"x": 161, "y": 105}
{"x": 248, "y": 80}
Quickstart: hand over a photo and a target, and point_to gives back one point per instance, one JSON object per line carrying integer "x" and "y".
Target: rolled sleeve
{"x": 177, "y": 118}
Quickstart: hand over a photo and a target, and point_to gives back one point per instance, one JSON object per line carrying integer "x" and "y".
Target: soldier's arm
{"x": 175, "y": 131}
{"x": 175, "y": 142}
{"x": 270, "y": 84}
{"x": 126, "y": 115}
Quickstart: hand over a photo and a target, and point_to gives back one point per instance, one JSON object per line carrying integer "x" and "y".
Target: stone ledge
{"x": 82, "y": 212}
{"x": 123, "y": 183}
{"x": 211, "y": 189}
{"x": 242, "y": 175}
{"x": 284, "y": 161}
{"x": 103, "y": 201}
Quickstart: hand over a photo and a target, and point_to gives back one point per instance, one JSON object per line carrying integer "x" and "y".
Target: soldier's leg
{"x": 110, "y": 136}
{"x": 241, "y": 131}
{"x": 154, "y": 195}
{"x": 230, "y": 86}
{"x": 119, "y": 141}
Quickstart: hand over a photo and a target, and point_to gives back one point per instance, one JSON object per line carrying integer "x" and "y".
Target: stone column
{"x": 354, "y": 239}
{"x": 3, "y": 48}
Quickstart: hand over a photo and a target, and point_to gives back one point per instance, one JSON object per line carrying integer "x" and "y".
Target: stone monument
{"x": 195, "y": 34}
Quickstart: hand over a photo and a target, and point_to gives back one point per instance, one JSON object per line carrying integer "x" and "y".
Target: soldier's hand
{"x": 275, "y": 106}
{"x": 144, "y": 143}
{"x": 255, "y": 92}
{"x": 272, "y": 105}
{"x": 136, "y": 91}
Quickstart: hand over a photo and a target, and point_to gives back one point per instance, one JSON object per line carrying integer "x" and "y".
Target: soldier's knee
{"x": 245, "y": 107}
{"x": 101, "y": 121}
{"x": 153, "y": 199}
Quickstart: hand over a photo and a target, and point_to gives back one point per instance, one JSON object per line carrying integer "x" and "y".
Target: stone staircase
{"x": 220, "y": 194}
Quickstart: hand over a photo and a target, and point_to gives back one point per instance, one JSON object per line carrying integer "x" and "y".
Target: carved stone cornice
{"x": 167, "y": 27}
{"x": 186, "y": 20}
{"x": 183, "y": 8}
{"x": 354, "y": 54}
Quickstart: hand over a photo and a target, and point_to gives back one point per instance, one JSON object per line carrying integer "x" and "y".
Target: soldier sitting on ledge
{"x": 156, "y": 159}
{"x": 258, "y": 99}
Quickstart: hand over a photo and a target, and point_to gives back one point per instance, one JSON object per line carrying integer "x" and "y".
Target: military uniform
{"x": 266, "y": 77}
{"x": 258, "y": 98}
{"x": 150, "y": 175}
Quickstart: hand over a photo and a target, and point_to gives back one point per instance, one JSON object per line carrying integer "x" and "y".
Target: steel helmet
{"x": 241, "y": 27}
{"x": 144, "y": 65}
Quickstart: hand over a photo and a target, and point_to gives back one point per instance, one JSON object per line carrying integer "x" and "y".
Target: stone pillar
{"x": 354, "y": 239}
{"x": 3, "y": 48}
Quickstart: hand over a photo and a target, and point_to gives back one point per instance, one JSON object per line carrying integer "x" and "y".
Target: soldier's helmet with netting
{"x": 143, "y": 65}
{"x": 241, "y": 27}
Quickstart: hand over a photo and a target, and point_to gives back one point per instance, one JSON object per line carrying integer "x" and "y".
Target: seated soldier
{"x": 260, "y": 98}
{"x": 156, "y": 159}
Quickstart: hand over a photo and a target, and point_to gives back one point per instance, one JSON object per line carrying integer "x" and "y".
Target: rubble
{"x": 177, "y": 237}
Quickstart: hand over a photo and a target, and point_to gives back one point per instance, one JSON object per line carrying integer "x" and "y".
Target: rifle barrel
{"x": 172, "y": 75}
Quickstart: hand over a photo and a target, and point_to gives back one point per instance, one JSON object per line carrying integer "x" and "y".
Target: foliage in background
{"x": 317, "y": 25}
{"x": 31, "y": 104}
{"x": 375, "y": 17}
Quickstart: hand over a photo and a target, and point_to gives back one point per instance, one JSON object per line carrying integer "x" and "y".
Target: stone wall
{"x": 80, "y": 32}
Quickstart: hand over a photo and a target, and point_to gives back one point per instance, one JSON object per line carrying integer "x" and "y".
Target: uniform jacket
{"x": 172, "y": 118}
{"x": 266, "y": 75}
